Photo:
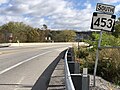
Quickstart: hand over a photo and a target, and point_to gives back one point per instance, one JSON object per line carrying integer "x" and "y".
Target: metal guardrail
{"x": 73, "y": 79}
{"x": 68, "y": 79}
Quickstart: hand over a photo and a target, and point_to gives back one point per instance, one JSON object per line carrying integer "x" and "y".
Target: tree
{"x": 117, "y": 28}
{"x": 20, "y": 31}
{"x": 26, "y": 33}
{"x": 66, "y": 36}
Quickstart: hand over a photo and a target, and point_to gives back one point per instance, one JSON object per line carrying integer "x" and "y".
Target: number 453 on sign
{"x": 101, "y": 21}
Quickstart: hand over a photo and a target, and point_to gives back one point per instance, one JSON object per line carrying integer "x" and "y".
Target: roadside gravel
{"x": 102, "y": 84}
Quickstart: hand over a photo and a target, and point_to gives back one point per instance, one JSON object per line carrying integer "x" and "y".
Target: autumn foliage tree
{"x": 25, "y": 33}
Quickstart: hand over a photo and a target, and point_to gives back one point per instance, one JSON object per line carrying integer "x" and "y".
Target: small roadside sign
{"x": 104, "y": 8}
{"x": 102, "y": 21}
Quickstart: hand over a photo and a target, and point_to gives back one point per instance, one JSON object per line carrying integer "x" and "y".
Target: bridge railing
{"x": 68, "y": 79}
{"x": 74, "y": 80}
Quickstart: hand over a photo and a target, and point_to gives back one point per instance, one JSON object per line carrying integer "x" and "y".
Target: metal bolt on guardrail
{"x": 73, "y": 79}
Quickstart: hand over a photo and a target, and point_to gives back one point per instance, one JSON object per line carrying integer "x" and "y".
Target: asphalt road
{"x": 20, "y": 67}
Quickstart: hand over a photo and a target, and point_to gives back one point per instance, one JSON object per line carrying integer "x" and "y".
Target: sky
{"x": 56, "y": 14}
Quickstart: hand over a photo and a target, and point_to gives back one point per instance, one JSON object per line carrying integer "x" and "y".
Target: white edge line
{"x": 7, "y": 69}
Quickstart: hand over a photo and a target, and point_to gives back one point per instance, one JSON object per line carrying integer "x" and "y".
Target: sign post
{"x": 104, "y": 21}
{"x": 97, "y": 57}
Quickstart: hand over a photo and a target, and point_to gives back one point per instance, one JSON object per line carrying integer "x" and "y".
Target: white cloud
{"x": 117, "y": 9}
{"x": 55, "y": 13}
{"x": 110, "y": 1}
{"x": 7, "y": 18}
{"x": 3, "y": 1}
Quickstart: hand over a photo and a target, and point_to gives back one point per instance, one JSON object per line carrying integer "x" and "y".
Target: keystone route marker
{"x": 103, "y": 20}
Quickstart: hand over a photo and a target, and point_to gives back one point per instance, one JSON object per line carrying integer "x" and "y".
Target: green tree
{"x": 107, "y": 40}
{"x": 21, "y": 32}
{"x": 117, "y": 28}
{"x": 66, "y": 36}
{"x": 108, "y": 57}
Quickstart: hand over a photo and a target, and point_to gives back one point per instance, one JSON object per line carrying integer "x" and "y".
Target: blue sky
{"x": 56, "y": 14}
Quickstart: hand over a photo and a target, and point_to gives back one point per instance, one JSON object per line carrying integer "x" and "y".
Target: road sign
{"x": 105, "y": 8}
{"x": 102, "y": 21}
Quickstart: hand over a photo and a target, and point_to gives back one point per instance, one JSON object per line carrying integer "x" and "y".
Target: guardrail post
{"x": 74, "y": 67}
{"x": 85, "y": 79}
{"x": 77, "y": 68}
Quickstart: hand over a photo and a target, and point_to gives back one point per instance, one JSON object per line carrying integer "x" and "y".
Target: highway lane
{"x": 20, "y": 67}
